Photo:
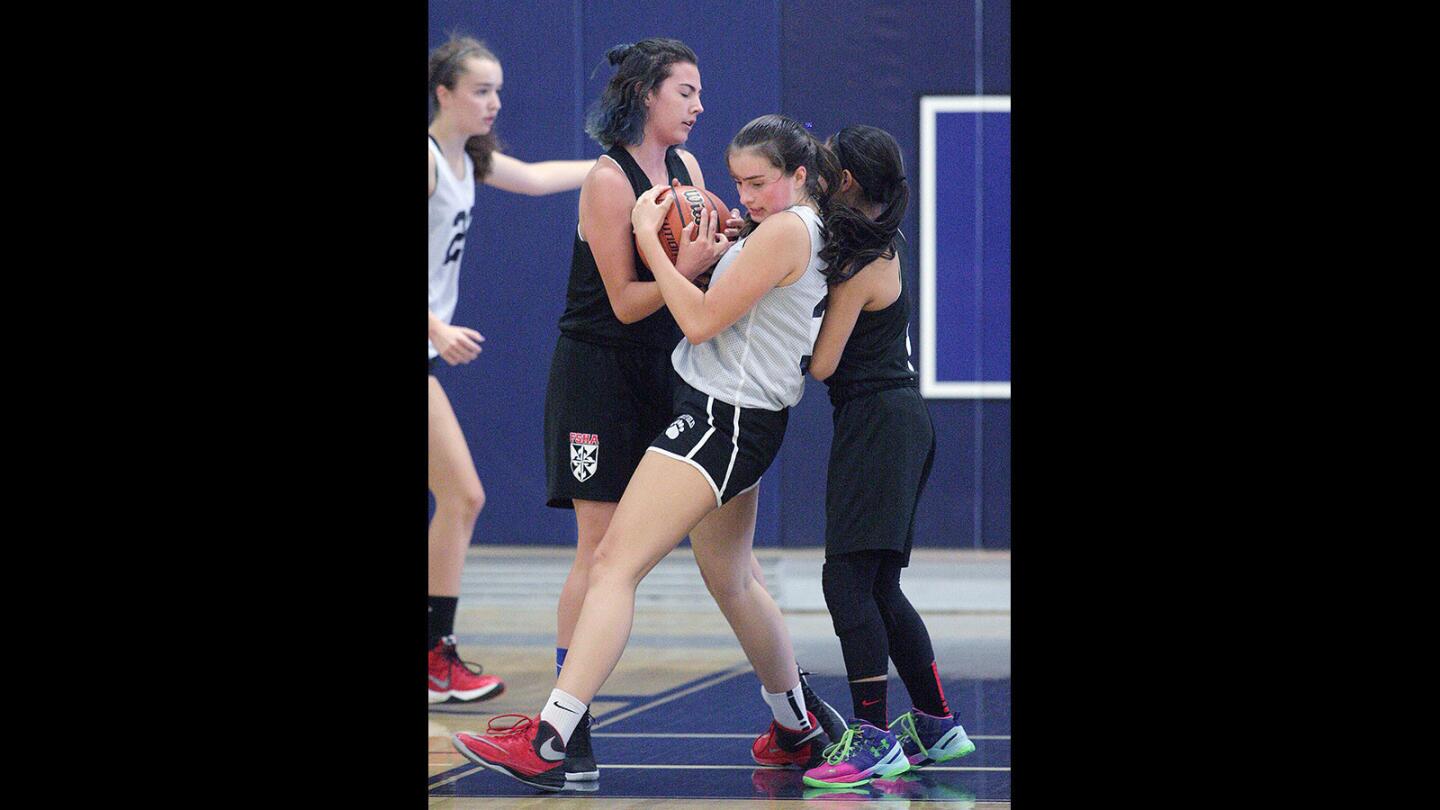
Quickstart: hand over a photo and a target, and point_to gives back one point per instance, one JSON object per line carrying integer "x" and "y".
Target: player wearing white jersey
{"x": 465, "y": 82}
{"x": 748, "y": 343}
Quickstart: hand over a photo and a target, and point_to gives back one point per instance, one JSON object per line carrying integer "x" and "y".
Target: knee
{"x": 606, "y": 570}
{"x": 729, "y": 586}
{"x": 849, "y": 602}
{"x": 472, "y": 500}
{"x": 887, "y": 591}
{"x": 464, "y": 502}
{"x": 586, "y": 549}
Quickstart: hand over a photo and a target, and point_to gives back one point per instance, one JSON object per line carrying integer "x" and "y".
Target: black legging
{"x": 875, "y": 621}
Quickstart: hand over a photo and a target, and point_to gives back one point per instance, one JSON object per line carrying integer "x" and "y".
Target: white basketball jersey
{"x": 755, "y": 362}
{"x": 449, "y": 218}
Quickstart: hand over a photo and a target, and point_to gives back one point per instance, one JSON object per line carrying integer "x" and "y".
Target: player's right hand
{"x": 457, "y": 344}
{"x": 700, "y": 246}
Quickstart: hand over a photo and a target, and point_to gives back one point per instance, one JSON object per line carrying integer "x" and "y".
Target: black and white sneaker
{"x": 579, "y": 759}
{"x": 831, "y": 721}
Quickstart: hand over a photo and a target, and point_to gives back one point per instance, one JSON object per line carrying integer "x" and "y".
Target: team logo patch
{"x": 677, "y": 427}
{"x": 584, "y": 455}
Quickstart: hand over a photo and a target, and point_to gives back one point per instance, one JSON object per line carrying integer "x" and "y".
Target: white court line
{"x": 456, "y": 777}
{"x": 927, "y": 769}
{"x": 737, "y": 670}
{"x": 608, "y": 766}
{"x": 699, "y": 735}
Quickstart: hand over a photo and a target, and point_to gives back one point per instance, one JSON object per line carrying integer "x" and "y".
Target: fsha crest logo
{"x": 584, "y": 455}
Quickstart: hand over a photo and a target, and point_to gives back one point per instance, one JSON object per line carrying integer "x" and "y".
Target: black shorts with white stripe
{"x": 732, "y": 447}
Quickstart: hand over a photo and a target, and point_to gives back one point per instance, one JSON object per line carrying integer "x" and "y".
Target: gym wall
{"x": 826, "y": 62}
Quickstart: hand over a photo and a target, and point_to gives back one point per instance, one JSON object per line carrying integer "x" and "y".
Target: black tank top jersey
{"x": 875, "y": 356}
{"x": 588, "y": 314}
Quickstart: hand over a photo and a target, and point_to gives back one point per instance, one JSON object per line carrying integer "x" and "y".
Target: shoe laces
{"x": 453, "y": 653}
{"x": 839, "y": 751}
{"x": 907, "y": 728}
{"x": 521, "y": 723}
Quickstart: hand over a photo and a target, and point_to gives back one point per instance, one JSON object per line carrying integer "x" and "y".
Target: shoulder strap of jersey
{"x": 676, "y": 166}
{"x": 639, "y": 181}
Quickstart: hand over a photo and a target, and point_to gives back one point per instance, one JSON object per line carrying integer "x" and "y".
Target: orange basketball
{"x": 686, "y": 210}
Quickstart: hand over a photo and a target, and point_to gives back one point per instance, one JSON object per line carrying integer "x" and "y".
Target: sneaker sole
{"x": 963, "y": 747}
{"x": 501, "y": 769}
{"x": 477, "y": 694}
{"x": 890, "y": 766}
{"x": 582, "y": 776}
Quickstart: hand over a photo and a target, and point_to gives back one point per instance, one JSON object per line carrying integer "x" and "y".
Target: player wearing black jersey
{"x": 880, "y": 458}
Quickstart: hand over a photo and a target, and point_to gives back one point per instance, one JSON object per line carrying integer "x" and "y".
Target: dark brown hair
{"x": 788, "y": 145}
{"x": 873, "y": 158}
{"x": 618, "y": 116}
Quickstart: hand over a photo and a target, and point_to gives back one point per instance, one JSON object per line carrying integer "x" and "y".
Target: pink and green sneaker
{"x": 862, "y": 753}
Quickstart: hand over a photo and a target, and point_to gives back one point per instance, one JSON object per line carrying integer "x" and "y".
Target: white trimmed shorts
{"x": 732, "y": 447}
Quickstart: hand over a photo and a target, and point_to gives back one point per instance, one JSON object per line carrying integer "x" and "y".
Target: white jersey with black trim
{"x": 756, "y": 361}
{"x": 449, "y": 218}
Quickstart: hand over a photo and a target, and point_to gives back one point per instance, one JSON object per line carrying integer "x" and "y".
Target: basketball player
{"x": 465, "y": 82}
{"x": 740, "y": 371}
{"x": 879, "y": 461}
{"x": 611, "y": 383}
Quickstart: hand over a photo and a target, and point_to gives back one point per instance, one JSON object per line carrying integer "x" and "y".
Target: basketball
{"x": 686, "y": 210}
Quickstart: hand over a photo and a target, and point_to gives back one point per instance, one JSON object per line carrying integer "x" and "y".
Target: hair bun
{"x": 617, "y": 54}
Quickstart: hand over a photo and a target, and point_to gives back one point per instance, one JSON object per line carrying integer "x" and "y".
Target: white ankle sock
{"x": 788, "y": 707}
{"x": 563, "y": 711}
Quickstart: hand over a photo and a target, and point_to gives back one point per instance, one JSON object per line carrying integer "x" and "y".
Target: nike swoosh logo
{"x": 869, "y": 702}
{"x": 557, "y": 705}
{"x": 439, "y": 684}
{"x": 550, "y": 752}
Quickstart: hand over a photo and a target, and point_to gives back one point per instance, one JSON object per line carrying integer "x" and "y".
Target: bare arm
{"x": 431, "y": 155}
{"x": 605, "y": 203}
{"x": 846, "y": 300}
{"x": 536, "y": 179}
{"x": 777, "y": 249}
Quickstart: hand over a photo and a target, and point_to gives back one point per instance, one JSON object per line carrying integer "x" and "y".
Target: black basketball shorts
{"x": 603, "y": 405}
{"x": 880, "y": 459}
{"x": 732, "y": 447}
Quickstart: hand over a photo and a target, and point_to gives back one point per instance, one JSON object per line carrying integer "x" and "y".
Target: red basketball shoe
{"x": 461, "y": 680}
{"x": 781, "y": 747}
{"x": 529, "y": 751}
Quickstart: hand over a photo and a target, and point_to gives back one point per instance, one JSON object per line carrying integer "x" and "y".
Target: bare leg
{"x": 592, "y": 518}
{"x": 723, "y": 548}
{"x": 458, "y": 495}
{"x": 664, "y": 500}
{"x": 755, "y": 563}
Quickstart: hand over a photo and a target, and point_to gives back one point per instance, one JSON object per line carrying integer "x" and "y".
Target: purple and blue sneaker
{"x": 862, "y": 753}
{"x": 928, "y": 740}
